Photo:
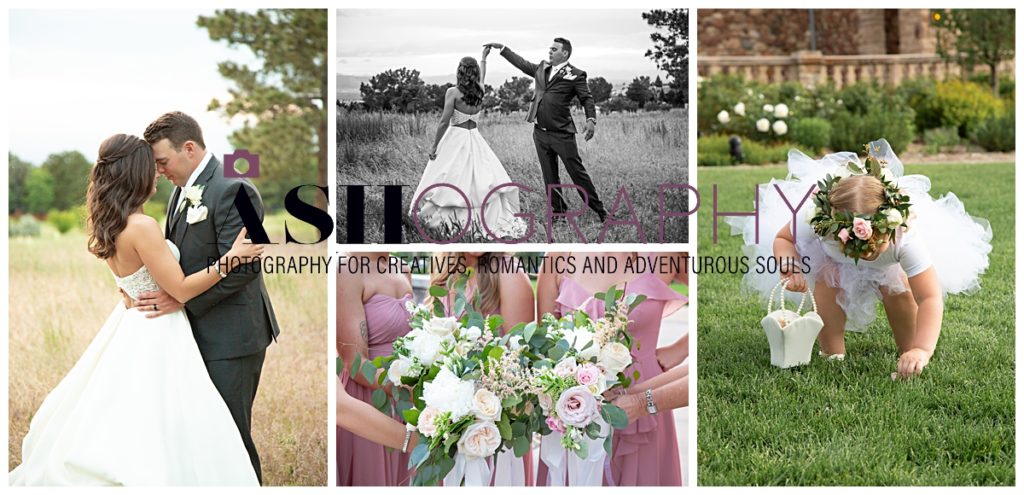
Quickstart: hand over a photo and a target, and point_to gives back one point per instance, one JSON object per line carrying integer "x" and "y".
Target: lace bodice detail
{"x": 142, "y": 281}
{"x": 462, "y": 117}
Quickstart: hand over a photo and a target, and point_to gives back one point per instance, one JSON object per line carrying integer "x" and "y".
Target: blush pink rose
{"x": 577, "y": 407}
{"x": 844, "y": 235}
{"x": 587, "y": 374}
{"x": 555, "y": 424}
{"x": 862, "y": 229}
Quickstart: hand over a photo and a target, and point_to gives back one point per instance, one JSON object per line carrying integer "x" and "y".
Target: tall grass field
{"x": 61, "y": 295}
{"x": 637, "y": 151}
{"x": 848, "y": 423}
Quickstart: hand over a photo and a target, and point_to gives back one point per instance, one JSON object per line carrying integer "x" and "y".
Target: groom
{"x": 233, "y": 322}
{"x": 554, "y": 132}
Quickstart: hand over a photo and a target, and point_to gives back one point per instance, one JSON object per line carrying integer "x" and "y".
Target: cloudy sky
{"x": 608, "y": 43}
{"x": 77, "y": 77}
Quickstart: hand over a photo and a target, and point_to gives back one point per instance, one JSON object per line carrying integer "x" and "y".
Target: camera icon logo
{"x": 252, "y": 159}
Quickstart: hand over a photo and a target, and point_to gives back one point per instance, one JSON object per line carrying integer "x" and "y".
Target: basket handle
{"x": 782, "y": 298}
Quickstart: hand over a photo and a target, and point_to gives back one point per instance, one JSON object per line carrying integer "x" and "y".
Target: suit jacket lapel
{"x": 179, "y": 227}
{"x": 172, "y": 212}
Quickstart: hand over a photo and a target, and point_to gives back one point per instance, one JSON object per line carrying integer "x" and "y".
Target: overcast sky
{"x": 78, "y": 77}
{"x": 608, "y": 43}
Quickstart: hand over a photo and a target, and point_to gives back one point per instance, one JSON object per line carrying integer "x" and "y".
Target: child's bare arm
{"x": 928, "y": 294}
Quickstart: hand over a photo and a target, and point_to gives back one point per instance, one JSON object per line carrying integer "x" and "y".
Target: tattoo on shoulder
{"x": 364, "y": 332}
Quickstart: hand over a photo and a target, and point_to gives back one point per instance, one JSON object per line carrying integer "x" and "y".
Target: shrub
{"x": 63, "y": 220}
{"x": 920, "y": 96}
{"x": 1007, "y": 86}
{"x": 713, "y": 159}
{"x": 760, "y": 154}
{"x": 850, "y": 132}
{"x": 940, "y": 139}
{"x": 996, "y": 133}
{"x": 963, "y": 105}
{"x": 620, "y": 104}
{"x": 714, "y": 151}
{"x": 26, "y": 226}
{"x": 812, "y": 133}
{"x": 657, "y": 106}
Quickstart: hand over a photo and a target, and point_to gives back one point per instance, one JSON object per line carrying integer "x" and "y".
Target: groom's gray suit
{"x": 233, "y": 322}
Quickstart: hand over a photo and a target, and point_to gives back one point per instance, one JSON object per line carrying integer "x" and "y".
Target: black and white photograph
{"x": 512, "y": 126}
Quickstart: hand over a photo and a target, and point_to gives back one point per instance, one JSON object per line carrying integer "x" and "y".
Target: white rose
{"x": 781, "y": 111}
{"x": 887, "y": 175}
{"x": 515, "y": 342}
{"x": 486, "y": 405}
{"x": 425, "y": 346}
{"x": 894, "y": 218}
{"x": 399, "y": 368}
{"x": 480, "y": 439}
{"x": 448, "y": 393}
{"x": 796, "y": 98}
{"x": 750, "y": 92}
{"x": 768, "y": 108}
{"x": 740, "y": 109}
{"x": 425, "y": 424}
{"x": 615, "y": 357}
{"x": 763, "y": 125}
{"x": 442, "y": 326}
{"x": 473, "y": 333}
{"x": 780, "y": 127}
{"x": 811, "y": 213}
{"x": 579, "y": 338}
{"x": 723, "y": 117}
{"x": 600, "y": 385}
{"x": 194, "y": 194}
{"x": 839, "y": 101}
{"x": 196, "y": 214}
{"x": 565, "y": 367}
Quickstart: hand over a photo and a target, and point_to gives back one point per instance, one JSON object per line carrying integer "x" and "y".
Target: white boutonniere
{"x": 569, "y": 76}
{"x": 196, "y": 209}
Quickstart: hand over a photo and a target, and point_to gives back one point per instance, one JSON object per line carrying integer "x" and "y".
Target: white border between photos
{"x": 333, "y": 248}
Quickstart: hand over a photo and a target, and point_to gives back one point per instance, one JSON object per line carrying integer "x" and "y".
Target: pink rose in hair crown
{"x": 587, "y": 374}
{"x": 555, "y": 424}
{"x": 577, "y": 407}
{"x": 862, "y": 229}
{"x": 844, "y": 235}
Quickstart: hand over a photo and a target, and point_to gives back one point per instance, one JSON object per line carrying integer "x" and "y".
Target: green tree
{"x": 294, "y": 155}
{"x": 18, "y": 171}
{"x": 640, "y": 90}
{"x": 972, "y": 37}
{"x": 600, "y": 89}
{"x": 70, "y": 172}
{"x": 289, "y": 84}
{"x": 399, "y": 90}
{"x": 672, "y": 50}
{"x": 38, "y": 191}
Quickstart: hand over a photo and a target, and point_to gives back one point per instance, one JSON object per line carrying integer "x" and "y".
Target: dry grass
{"x": 61, "y": 295}
{"x": 637, "y": 151}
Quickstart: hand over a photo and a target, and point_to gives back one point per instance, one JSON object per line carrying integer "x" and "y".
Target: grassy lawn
{"x": 61, "y": 295}
{"x": 848, "y": 423}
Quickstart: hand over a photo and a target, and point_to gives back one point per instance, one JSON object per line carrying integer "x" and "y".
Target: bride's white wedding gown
{"x": 138, "y": 408}
{"x": 465, "y": 160}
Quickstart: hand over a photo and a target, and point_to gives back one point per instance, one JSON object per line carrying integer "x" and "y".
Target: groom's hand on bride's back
{"x": 157, "y": 303}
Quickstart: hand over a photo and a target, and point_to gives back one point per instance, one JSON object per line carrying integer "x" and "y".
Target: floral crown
{"x": 855, "y": 232}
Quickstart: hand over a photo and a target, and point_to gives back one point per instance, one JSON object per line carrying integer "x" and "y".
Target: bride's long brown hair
{"x": 468, "y": 78}
{"x": 120, "y": 183}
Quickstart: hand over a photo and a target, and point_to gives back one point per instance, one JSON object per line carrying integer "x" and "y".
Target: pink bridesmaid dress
{"x": 360, "y": 461}
{"x": 646, "y": 452}
{"x": 528, "y": 457}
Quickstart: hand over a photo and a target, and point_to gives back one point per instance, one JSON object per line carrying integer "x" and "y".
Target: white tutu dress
{"x": 466, "y": 161}
{"x": 941, "y": 234}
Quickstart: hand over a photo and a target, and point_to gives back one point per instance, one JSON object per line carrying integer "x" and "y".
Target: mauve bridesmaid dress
{"x": 362, "y": 462}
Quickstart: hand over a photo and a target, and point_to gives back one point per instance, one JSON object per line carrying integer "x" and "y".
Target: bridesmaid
{"x": 646, "y": 452}
{"x": 501, "y": 292}
{"x": 371, "y": 315}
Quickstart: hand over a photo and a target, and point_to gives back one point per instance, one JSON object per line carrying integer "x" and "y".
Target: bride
{"x": 138, "y": 408}
{"x": 461, "y": 158}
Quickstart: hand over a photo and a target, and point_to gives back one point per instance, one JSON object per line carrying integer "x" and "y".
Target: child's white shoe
{"x": 832, "y": 357}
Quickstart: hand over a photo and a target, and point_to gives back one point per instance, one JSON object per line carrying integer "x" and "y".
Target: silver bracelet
{"x": 405, "y": 444}
{"x": 651, "y": 408}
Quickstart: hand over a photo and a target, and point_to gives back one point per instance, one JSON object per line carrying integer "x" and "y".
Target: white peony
{"x": 194, "y": 194}
{"x": 566, "y": 367}
{"x": 448, "y": 393}
{"x": 480, "y": 439}
{"x": 473, "y": 333}
{"x": 723, "y": 117}
{"x": 780, "y": 127}
{"x": 425, "y": 423}
{"x": 486, "y": 405}
{"x": 781, "y": 111}
{"x": 767, "y": 108}
{"x": 763, "y": 125}
{"x": 615, "y": 357}
{"x": 399, "y": 368}
{"x": 442, "y": 326}
{"x": 579, "y": 338}
{"x": 424, "y": 346}
{"x": 894, "y": 218}
{"x": 740, "y": 109}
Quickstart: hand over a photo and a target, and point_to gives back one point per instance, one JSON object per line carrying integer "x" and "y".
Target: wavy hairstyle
{"x": 860, "y": 195}
{"x": 468, "y": 79}
{"x": 119, "y": 185}
{"x": 487, "y": 282}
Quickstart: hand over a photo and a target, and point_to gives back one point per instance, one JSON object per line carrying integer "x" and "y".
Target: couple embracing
{"x": 461, "y": 157}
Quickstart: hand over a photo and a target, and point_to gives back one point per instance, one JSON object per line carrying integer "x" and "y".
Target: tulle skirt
{"x": 138, "y": 408}
{"x": 957, "y": 243}
{"x": 465, "y": 161}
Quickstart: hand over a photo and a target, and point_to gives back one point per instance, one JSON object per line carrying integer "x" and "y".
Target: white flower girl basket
{"x": 791, "y": 335}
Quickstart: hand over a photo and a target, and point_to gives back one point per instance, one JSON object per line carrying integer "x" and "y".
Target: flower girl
{"x": 868, "y": 233}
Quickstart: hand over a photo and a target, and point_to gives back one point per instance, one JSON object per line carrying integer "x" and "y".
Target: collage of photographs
{"x": 534, "y": 245}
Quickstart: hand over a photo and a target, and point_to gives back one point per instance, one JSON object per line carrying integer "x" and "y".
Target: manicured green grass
{"x": 848, "y": 423}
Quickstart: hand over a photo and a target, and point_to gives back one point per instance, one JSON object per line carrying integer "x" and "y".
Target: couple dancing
{"x": 373, "y": 449}
{"x": 163, "y": 394}
{"x": 461, "y": 157}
